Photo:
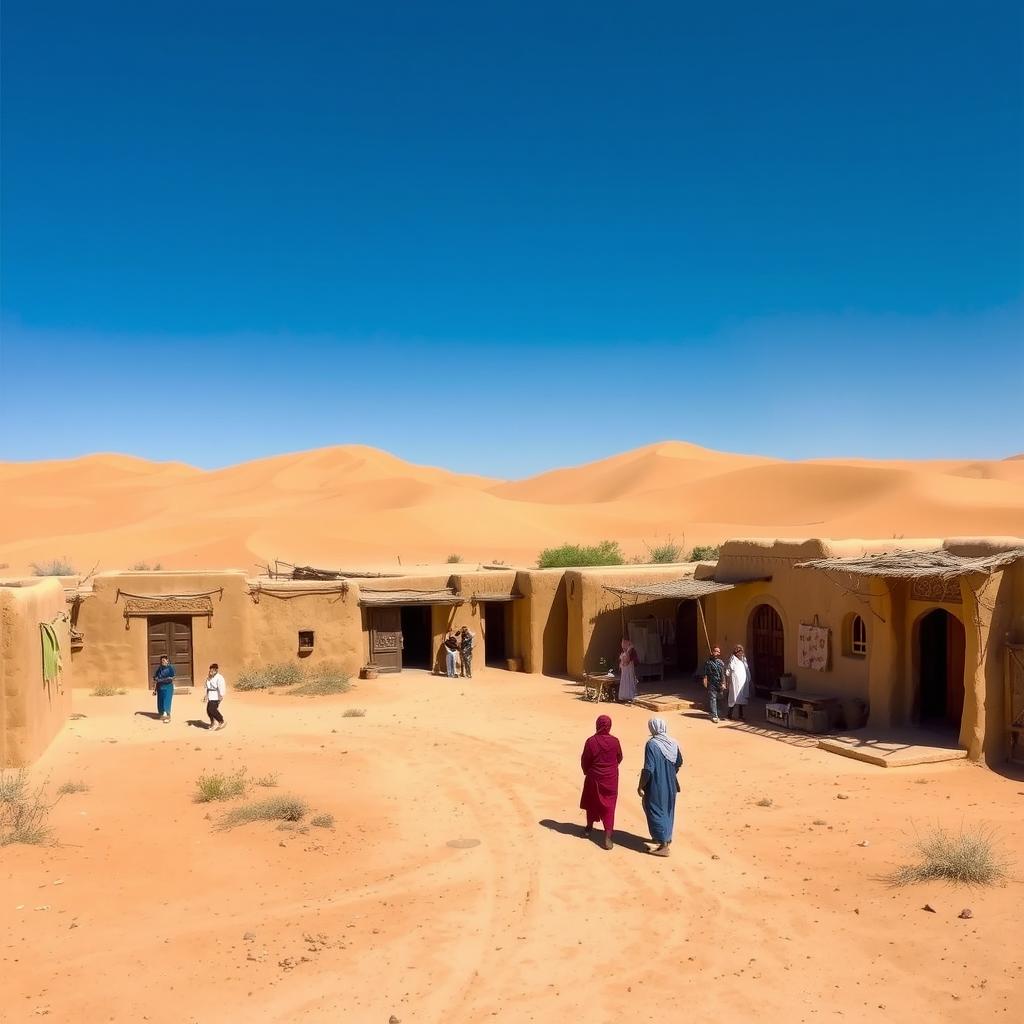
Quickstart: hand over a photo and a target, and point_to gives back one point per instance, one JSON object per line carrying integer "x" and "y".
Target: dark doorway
{"x": 171, "y": 637}
{"x": 496, "y": 632}
{"x": 686, "y": 636}
{"x": 940, "y": 640}
{"x": 386, "y": 639}
{"x": 417, "y": 637}
{"x": 767, "y": 649}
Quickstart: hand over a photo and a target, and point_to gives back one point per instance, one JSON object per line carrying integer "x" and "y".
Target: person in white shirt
{"x": 737, "y": 672}
{"x": 215, "y": 689}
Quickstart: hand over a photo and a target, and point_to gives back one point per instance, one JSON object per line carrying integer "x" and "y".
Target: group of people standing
{"x": 213, "y": 692}
{"x": 730, "y": 681}
{"x": 657, "y": 785}
{"x": 458, "y": 653}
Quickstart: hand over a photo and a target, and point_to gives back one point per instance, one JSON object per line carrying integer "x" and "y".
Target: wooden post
{"x": 703, "y": 622}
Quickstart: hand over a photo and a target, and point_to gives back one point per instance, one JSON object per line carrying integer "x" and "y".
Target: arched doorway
{"x": 767, "y": 648}
{"x": 940, "y": 653}
{"x": 686, "y": 636}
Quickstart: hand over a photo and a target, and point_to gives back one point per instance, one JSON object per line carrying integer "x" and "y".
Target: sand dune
{"x": 358, "y": 504}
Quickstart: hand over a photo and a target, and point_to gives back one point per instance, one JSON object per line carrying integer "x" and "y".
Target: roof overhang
{"x": 687, "y": 589}
{"x": 382, "y": 598}
{"x": 909, "y": 565}
{"x": 494, "y": 598}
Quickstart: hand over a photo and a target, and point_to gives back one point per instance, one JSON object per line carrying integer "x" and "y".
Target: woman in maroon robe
{"x": 602, "y": 755}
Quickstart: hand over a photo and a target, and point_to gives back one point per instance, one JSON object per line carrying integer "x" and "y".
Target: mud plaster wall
{"x": 798, "y": 595}
{"x": 32, "y": 711}
{"x": 543, "y": 621}
{"x": 115, "y": 656}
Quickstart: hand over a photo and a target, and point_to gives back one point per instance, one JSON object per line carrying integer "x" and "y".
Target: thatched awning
{"x": 492, "y": 598}
{"x": 681, "y": 590}
{"x": 379, "y": 598}
{"x": 910, "y": 565}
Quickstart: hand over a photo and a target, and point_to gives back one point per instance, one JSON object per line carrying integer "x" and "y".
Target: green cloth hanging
{"x": 51, "y": 651}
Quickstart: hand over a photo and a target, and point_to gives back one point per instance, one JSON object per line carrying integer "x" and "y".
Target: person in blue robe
{"x": 658, "y": 784}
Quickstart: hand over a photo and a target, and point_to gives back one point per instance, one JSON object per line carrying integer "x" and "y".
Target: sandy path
{"x": 380, "y": 916}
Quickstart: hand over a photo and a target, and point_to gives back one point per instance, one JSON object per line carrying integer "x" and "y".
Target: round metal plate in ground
{"x": 463, "y": 844}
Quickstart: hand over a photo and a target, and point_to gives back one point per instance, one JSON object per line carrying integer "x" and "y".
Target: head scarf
{"x": 604, "y": 725}
{"x": 662, "y": 740}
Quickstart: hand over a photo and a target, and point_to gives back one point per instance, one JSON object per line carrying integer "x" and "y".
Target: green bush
{"x": 212, "y": 786}
{"x": 569, "y": 556}
{"x": 968, "y": 858}
{"x": 54, "y": 567}
{"x": 275, "y": 808}
{"x": 705, "y": 553}
{"x": 269, "y": 677}
{"x": 665, "y": 553}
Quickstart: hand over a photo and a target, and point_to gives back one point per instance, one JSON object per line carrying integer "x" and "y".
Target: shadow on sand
{"x": 626, "y": 840}
{"x": 148, "y": 714}
{"x": 198, "y": 723}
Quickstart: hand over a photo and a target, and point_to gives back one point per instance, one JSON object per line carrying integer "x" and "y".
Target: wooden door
{"x": 768, "y": 648}
{"x": 955, "y": 656}
{"x": 171, "y": 637}
{"x": 386, "y": 638}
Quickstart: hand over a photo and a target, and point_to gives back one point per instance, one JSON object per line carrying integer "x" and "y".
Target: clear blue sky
{"x": 502, "y": 237}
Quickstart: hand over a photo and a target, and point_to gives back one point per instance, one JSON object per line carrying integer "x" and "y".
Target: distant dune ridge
{"x": 355, "y": 505}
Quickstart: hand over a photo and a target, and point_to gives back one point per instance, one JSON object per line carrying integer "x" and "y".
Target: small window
{"x": 306, "y": 639}
{"x": 858, "y": 637}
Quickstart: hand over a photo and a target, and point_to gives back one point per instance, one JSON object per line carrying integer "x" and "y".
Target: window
{"x": 305, "y": 639}
{"x": 858, "y": 637}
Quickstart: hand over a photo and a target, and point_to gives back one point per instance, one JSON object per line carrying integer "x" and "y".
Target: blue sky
{"x": 504, "y": 237}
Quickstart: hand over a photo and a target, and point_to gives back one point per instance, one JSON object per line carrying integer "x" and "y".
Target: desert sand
{"x": 145, "y": 912}
{"x": 359, "y": 506}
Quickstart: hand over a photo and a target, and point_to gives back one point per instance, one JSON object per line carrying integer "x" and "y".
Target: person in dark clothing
{"x": 466, "y": 639}
{"x": 602, "y": 755}
{"x": 163, "y": 684}
{"x": 451, "y": 649}
{"x": 714, "y": 677}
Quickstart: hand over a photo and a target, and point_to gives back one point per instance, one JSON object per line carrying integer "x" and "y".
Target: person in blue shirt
{"x": 163, "y": 683}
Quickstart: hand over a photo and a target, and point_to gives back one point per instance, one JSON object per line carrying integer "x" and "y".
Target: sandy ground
{"x": 357, "y": 505}
{"x": 141, "y": 912}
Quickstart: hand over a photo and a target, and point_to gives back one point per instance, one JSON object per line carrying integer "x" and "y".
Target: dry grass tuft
{"x": 23, "y": 811}
{"x": 765, "y": 801}
{"x": 323, "y": 821}
{"x": 323, "y": 681}
{"x": 268, "y": 781}
{"x": 269, "y": 676}
{"x": 275, "y": 808}
{"x": 354, "y": 713}
{"x": 73, "y": 787}
{"x": 965, "y": 858}
{"x": 108, "y": 691}
{"x": 212, "y": 786}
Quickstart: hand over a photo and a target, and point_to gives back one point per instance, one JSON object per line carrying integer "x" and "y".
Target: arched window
{"x": 858, "y": 637}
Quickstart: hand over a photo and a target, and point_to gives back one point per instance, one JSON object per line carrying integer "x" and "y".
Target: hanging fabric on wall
{"x": 813, "y": 647}
{"x": 51, "y": 651}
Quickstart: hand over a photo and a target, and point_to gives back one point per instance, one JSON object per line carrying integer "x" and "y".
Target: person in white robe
{"x": 737, "y": 674}
{"x": 628, "y": 660}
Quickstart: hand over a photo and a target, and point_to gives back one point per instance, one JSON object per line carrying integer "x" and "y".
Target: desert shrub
{"x": 452, "y": 559}
{"x": 705, "y": 553}
{"x": 275, "y": 808}
{"x": 323, "y": 821}
{"x": 268, "y": 781}
{"x": 606, "y": 552}
{"x": 268, "y": 677}
{"x": 146, "y": 567}
{"x": 24, "y": 811}
{"x": 68, "y": 788}
{"x": 322, "y": 681}
{"x": 54, "y": 567}
{"x": 765, "y": 801}
{"x": 220, "y": 786}
{"x": 967, "y": 858}
{"x": 664, "y": 553}
{"x": 354, "y": 713}
{"x": 108, "y": 691}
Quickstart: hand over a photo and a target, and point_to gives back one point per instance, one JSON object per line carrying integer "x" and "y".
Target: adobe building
{"x": 914, "y": 632}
